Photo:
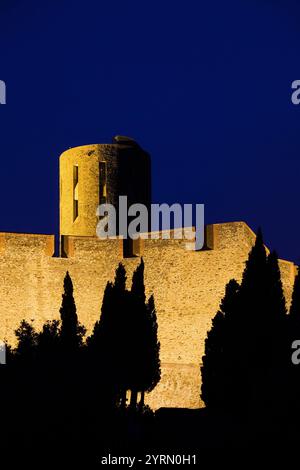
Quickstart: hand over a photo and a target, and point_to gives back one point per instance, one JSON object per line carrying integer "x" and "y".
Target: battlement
{"x": 26, "y": 244}
{"x": 217, "y": 236}
{"x": 220, "y": 236}
{"x": 235, "y": 238}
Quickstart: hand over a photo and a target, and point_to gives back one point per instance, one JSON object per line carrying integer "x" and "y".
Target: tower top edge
{"x": 117, "y": 141}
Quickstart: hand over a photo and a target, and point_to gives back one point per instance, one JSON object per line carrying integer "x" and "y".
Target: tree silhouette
{"x": 218, "y": 368}
{"x": 71, "y": 331}
{"x": 271, "y": 344}
{"x": 138, "y": 283}
{"x": 144, "y": 363}
{"x": 26, "y": 342}
{"x": 292, "y": 334}
{"x": 124, "y": 346}
{"x": 48, "y": 348}
{"x": 295, "y": 304}
{"x": 243, "y": 354}
{"x": 275, "y": 296}
{"x": 56, "y": 386}
{"x": 120, "y": 279}
{"x": 48, "y": 339}
{"x": 107, "y": 345}
{"x": 152, "y": 360}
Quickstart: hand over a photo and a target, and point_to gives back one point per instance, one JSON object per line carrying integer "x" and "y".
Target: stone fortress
{"x": 187, "y": 285}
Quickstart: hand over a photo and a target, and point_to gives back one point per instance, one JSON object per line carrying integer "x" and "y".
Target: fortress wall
{"x": 28, "y": 286}
{"x": 187, "y": 286}
{"x": 188, "y": 291}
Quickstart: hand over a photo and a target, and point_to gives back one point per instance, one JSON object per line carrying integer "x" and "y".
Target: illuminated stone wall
{"x": 187, "y": 287}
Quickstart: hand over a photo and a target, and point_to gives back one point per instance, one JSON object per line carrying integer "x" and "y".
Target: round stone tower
{"x": 96, "y": 174}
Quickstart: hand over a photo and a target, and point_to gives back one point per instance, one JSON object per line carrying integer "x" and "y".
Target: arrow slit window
{"x": 75, "y": 192}
{"x": 102, "y": 183}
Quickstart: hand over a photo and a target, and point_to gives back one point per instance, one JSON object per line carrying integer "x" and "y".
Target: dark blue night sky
{"x": 205, "y": 87}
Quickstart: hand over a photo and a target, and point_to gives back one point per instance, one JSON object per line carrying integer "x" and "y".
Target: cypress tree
{"x": 275, "y": 295}
{"x": 152, "y": 348}
{"x": 262, "y": 320}
{"x": 293, "y": 319}
{"x": 295, "y": 304}
{"x": 251, "y": 325}
{"x": 138, "y": 283}
{"x": 120, "y": 279}
{"x": 124, "y": 342}
{"x": 108, "y": 344}
{"x": 71, "y": 331}
{"x": 253, "y": 286}
{"x": 217, "y": 364}
{"x": 144, "y": 364}
{"x": 292, "y": 334}
{"x": 244, "y": 347}
{"x": 96, "y": 341}
{"x": 115, "y": 329}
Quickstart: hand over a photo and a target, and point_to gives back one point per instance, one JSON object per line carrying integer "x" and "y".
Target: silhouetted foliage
{"x": 243, "y": 364}
{"x": 295, "y": 304}
{"x": 152, "y": 366}
{"x": 218, "y": 367}
{"x": 144, "y": 363}
{"x": 293, "y": 334}
{"x": 62, "y": 396}
{"x": 26, "y": 342}
{"x": 124, "y": 342}
{"x": 138, "y": 284}
{"x": 48, "y": 340}
{"x": 71, "y": 331}
{"x": 107, "y": 346}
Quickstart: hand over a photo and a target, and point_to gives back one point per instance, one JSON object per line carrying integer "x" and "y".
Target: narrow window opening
{"x": 128, "y": 248}
{"x": 132, "y": 248}
{"x": 102, "y": 183}
{"x": 75, "y": 192}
